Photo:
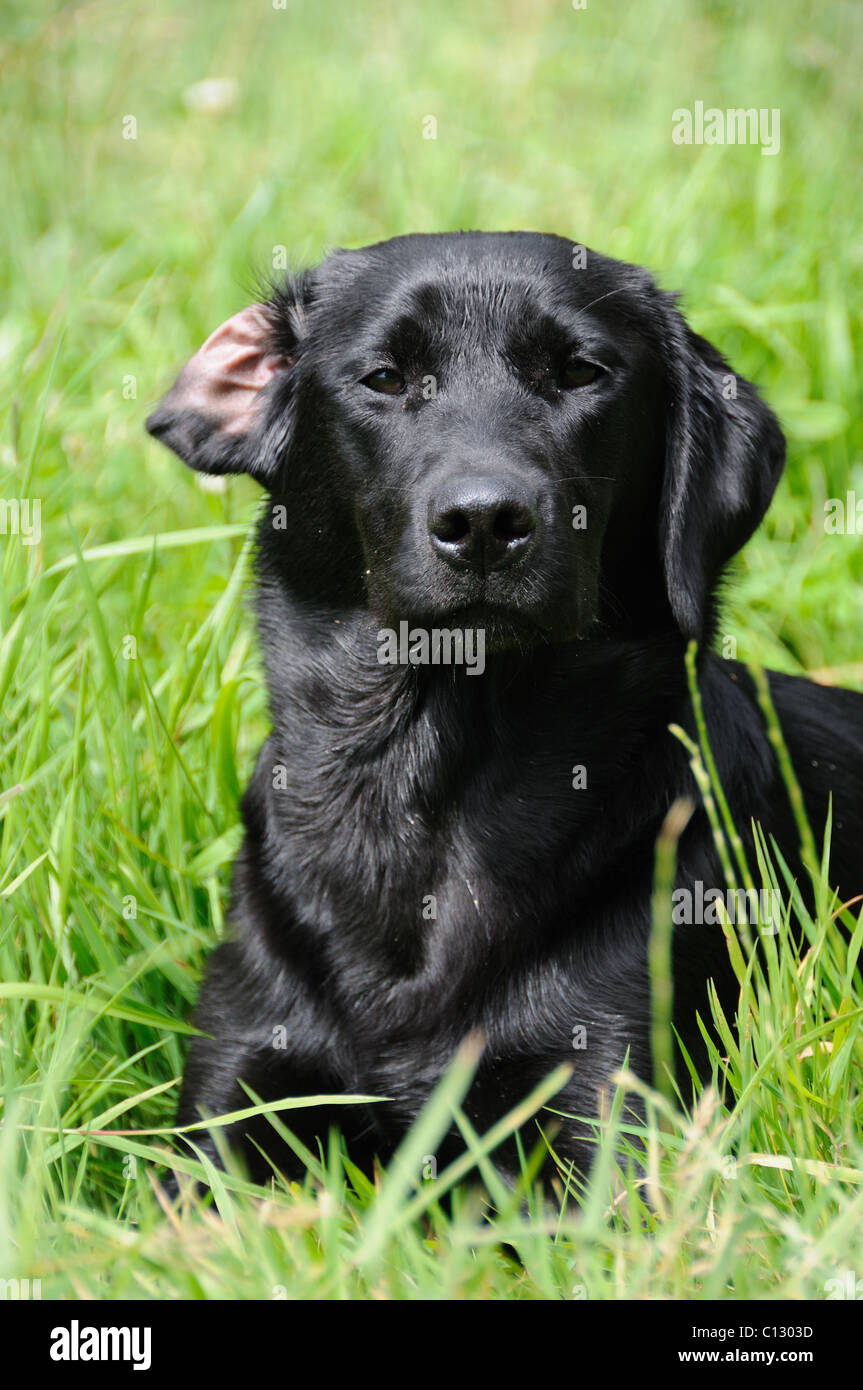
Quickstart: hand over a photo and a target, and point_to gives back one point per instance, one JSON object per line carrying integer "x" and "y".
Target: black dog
{"x": 483, "y": 436}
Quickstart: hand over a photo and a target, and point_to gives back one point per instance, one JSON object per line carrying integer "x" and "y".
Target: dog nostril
{"x": 513, "y": 524}
{"x": 451, "y": 527}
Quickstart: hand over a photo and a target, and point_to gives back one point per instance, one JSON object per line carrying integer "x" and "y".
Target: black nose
{"x": 482, "y": 523}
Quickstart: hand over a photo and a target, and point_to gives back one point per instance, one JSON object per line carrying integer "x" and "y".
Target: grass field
{"x": 138, "y": 208}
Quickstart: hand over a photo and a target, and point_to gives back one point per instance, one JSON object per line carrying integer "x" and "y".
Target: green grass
{"x": 120, "y": 772}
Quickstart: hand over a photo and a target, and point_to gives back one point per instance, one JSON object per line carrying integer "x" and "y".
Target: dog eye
{"x": 577, "y": 372}
{"x": 385, "y": 380}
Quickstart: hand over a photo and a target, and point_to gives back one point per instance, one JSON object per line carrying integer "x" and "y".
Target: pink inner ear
{"x": 224, "y": 377}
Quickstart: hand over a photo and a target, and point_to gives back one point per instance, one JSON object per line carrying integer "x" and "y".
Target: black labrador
{"x": 503, "y": 480}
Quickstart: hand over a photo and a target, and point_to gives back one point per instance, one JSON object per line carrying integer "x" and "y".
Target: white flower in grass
{"x": 212, "y": 482}
{"x": 213, "y": 94}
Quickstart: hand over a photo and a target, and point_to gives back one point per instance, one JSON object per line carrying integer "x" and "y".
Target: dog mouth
{"x": 497, "y": 626}
{"x": 519, "y": 609}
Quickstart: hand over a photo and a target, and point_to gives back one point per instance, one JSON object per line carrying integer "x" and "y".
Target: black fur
{"x": 381, "y": 786}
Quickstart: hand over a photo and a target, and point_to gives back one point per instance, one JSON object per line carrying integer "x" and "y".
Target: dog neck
{"x": 373, "y": 771}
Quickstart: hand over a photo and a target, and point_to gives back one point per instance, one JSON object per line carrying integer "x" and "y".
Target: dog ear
{"x": 724, "y": 457}
{"x": 213, "y": 415}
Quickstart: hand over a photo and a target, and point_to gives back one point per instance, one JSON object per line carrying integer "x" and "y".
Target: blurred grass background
{"x": 119, "y": 777}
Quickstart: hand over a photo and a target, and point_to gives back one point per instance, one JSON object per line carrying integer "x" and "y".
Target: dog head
{"x": 490, "y": 428}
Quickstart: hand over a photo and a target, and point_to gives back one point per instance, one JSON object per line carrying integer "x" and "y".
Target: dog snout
{"x": 482, "y": 523}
